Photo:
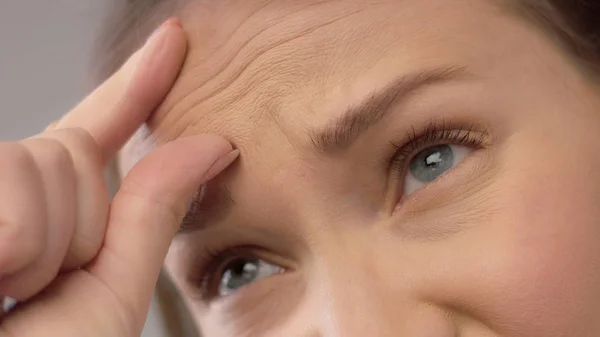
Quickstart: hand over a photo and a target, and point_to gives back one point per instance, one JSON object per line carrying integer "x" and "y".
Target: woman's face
{"x": 408, "y": 168}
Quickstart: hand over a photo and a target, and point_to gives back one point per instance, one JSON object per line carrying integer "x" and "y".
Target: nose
{"x": 352, "y": 302}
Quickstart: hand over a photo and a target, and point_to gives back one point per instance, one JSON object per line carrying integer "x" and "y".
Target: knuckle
{"x": 48, "y": 152}
{"x": 82, "y": 135}
{"x": 57, "y": 154}
{"x": 83, "y": 249}
{"x": 18, "y": 165}
{"x": 21, "y": 237}
{"x": 20, "y": 245}
{"x": 16, "y": 154}
{"x": 81, "y": 143}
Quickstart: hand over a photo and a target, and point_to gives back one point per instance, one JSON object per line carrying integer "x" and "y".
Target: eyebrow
{"x": 339, "y": 135}
{"x": 202, "y": 212}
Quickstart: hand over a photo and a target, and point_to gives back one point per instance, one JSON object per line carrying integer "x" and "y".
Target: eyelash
{"x": 208, "y": 267}
{"x": 435, "y": 133}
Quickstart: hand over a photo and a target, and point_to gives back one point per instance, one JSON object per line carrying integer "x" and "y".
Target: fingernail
{"x": 170, "y": 22}
{"x": 150, "y": 48}
{"x": 221, "y": 165}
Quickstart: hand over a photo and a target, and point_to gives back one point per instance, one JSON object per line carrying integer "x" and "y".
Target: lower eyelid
{"x": 477, "y": 163}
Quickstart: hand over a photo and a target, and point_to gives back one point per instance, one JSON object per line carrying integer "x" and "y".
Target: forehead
{"x": 290, "y": 66}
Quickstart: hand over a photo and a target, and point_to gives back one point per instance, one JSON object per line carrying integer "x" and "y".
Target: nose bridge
{"x": 355, "y": 295}
{"x": 353, "y": 299}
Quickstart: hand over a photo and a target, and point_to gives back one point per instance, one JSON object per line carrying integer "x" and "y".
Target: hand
{"x": 81, "y": 266}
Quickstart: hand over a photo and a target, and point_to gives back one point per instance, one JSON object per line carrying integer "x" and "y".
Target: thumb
{"x": 147, "y": 212}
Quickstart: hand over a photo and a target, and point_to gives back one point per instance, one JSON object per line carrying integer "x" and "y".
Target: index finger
{"x": 114, "y": 111}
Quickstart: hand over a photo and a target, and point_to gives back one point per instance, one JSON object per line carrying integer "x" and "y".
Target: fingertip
{"x": 160, "y": 63}
{"x": 113, "y": 112}
{"x": 178, "y": 168}
{"x": 220, "y": 165}
{"x": 147, "y": 212}
{"x": 174, "y": 21}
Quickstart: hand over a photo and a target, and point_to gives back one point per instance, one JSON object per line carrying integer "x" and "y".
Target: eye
{"x": 427, "y": 155}
{"x": 243, "y": 271}
{"x": 431, "y": 163}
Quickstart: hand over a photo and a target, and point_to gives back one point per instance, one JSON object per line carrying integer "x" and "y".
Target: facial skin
{"x": 505, "y": 243}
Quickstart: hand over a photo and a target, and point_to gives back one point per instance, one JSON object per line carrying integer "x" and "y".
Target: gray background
{"x": 44, "y": 57}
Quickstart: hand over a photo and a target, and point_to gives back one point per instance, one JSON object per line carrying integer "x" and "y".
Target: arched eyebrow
{"x": 340, "y": 134}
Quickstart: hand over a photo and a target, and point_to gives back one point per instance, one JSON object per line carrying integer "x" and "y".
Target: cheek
{"x": 533, "y": 268}
{"x": 550, "y": 262}
{"x": 554, "y": 202}
{"x": 556, "y": 236}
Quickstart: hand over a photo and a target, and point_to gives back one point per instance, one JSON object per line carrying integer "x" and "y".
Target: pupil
{"x": 238, "y": 268}
{"x": 237, "y": 274}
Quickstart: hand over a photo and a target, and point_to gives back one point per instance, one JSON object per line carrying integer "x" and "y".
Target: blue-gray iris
{"x": 432, "y": 162}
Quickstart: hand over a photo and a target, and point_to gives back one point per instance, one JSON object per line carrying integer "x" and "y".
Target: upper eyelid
{"x": 450, "y": 136}
{"x": 438, "y": 130}
{"x": 433, "y": 134}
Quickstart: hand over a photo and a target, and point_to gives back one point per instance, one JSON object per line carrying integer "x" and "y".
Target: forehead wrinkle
{"x": 241, "y": 28}
{"x": 189, "y": 100}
